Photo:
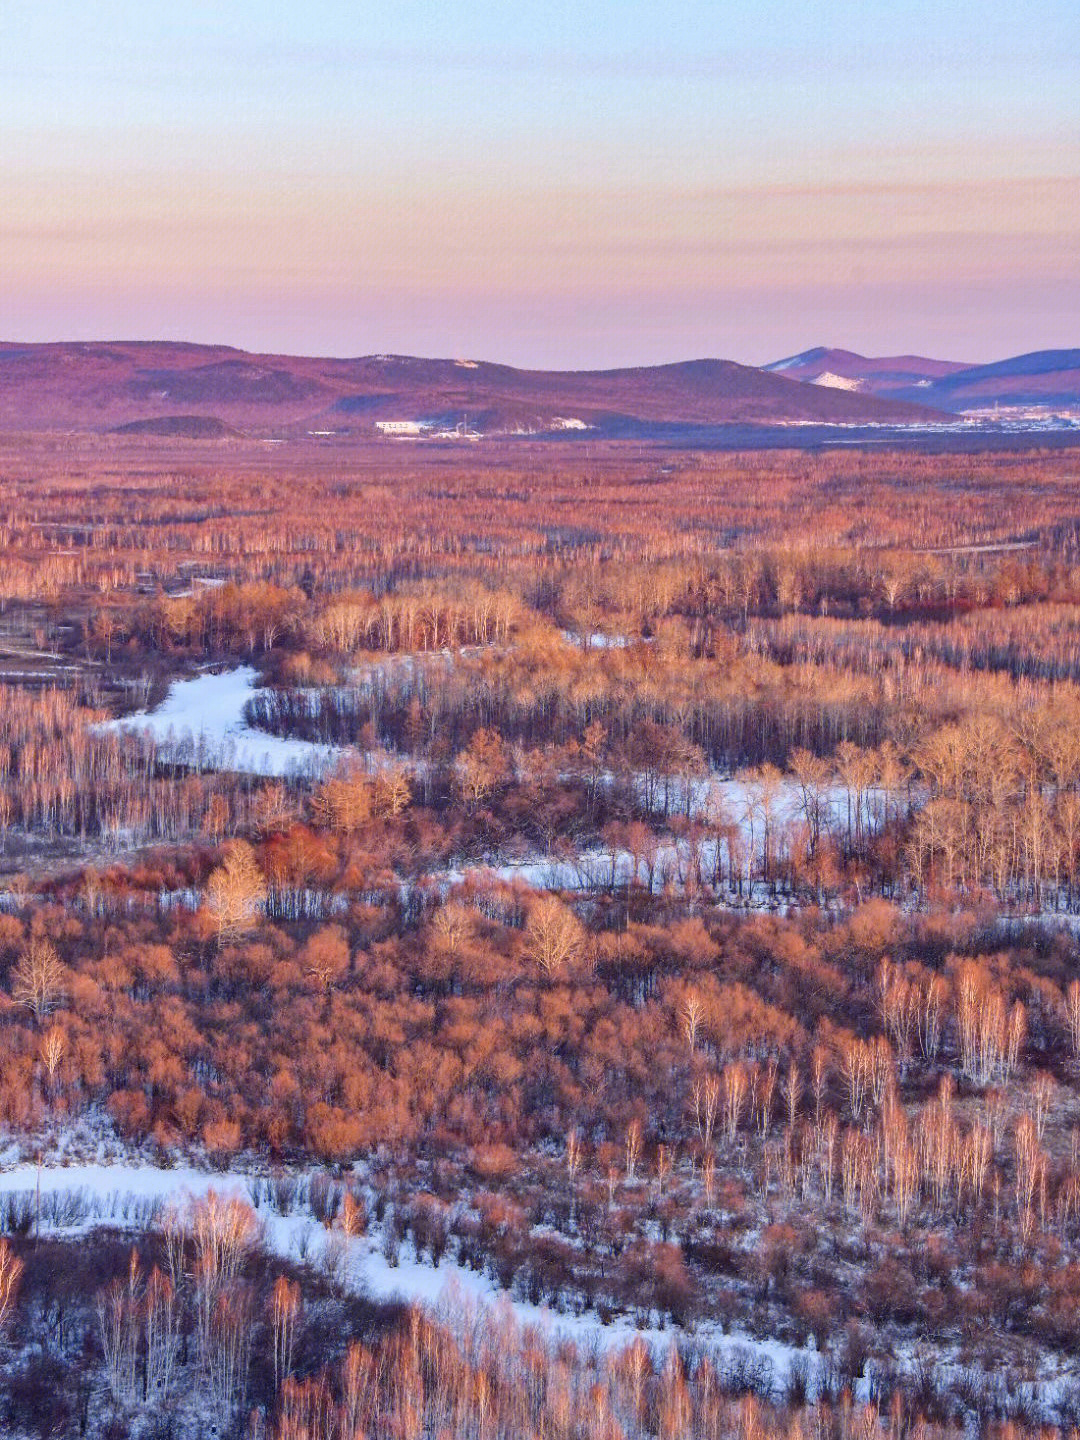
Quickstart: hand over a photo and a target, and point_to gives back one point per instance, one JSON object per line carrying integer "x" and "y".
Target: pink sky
{"x": 606, "y": 185}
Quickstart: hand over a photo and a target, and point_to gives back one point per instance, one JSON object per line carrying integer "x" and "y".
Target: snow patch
{"x": 836, "y": 382}
{"x": 201, "y": 722}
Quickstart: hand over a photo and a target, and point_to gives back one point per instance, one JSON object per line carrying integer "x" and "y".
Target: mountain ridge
{"x": 104, "y": 385}
{"x": 1036, "y": 378}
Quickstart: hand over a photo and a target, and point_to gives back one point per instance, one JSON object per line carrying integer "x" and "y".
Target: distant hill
{"x": 1045, "y": 377}
{"x": 883, "y": 375}
{"x": 187, "y": 427}
{"x": 108, "y": 386}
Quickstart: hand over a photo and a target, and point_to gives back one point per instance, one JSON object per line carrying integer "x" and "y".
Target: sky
{"x": 543, "y": 182}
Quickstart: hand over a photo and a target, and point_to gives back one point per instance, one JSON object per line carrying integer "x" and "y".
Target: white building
{"x": 399, "y": 427}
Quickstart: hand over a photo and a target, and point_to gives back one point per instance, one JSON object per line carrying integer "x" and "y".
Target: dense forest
{"x": 638, "y": 887}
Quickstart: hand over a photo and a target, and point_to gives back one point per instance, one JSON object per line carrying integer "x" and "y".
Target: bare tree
{"x": 554, "y": 937}
{"x": 929, "y": 1016}
{"x": 284, "y": 1316}
{"x": 855, "y": 1066}
{"x": 11, "y": 1270}
{"x": 161, "y": 1318}
{"x": 1043, "y": 1091}
{"x": 573, "y": 1164}
{"x": 38, "y": 979}
{"x": 764, "y": 1089}
{"x": 664, "y": 1162}
{"x": 735, "y": 1087}
{"x": 353, "y": 1218}
{"x": 819, "y": 1078}
{"x": 452, "y": 928}
{"x": 1030, "y": 1162}
{"x": 691, "y": 1012}
{"x": 229, "y": 1356}
{"x": 326, "y": 957}
{"x": 223, "y": 1229}
{"x": 236, "y": 891}
{"x": 52, "y": 1049}
{"x": 830, "y": 1129}
{"x": 393, "y": 790}
{"x": 708, "y": 1177}
{"x": 358, "y": 1379}
{"x": 792, "y": 1090}
{"x": 1072, "y": 1016}
{"x": 119, "y": 1312}
{"x": 706, "y": 1104}
{"x": 633, "y": 1149}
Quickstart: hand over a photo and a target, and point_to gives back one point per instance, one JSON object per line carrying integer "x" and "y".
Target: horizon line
{"x": 465, "y": 359}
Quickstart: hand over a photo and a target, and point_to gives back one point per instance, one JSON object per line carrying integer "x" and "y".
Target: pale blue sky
{"x": 548, "y": 183}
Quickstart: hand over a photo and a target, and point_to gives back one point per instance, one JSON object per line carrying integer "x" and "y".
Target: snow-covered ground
{"x": 673, "y": 861}
{"x": 205, "y": 716}
{"x": 77, "y": 1197}
{"x": 201, "y": 721}
{"x": 597, "y": 640}
{"x": 596, "y": 869}
{"x": 72, "y": 1199}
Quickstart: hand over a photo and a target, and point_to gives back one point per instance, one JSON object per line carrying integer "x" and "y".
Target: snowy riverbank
{"x": 73, "y": 1199}
{"x": 201, "y": 722}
